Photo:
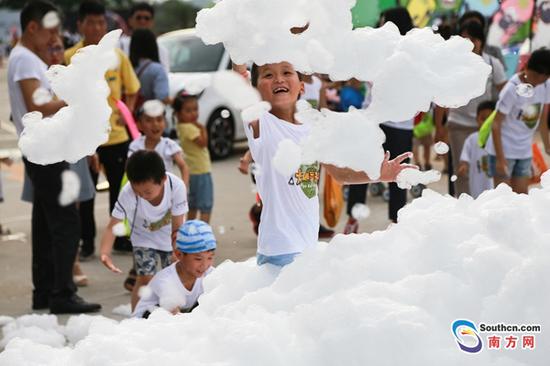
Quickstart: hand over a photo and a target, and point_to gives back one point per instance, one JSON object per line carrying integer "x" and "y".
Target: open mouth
{"x": 280, "y": 90}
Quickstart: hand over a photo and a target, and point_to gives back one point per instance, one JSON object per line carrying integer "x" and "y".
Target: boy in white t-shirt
{"x": 177, "y": 288}
{"x": 151, "y": 122}
{"x": 519, "y": 108}
{"x": 154, "y": 203}
{"x": 290, "y": 216}
{"x": 474, "y": 161}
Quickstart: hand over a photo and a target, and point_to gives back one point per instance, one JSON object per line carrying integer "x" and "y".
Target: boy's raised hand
{"x": 108, "y": 262}
{"x": 391, "y": 168}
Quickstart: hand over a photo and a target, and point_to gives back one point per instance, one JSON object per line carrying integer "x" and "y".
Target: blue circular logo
{"x": 466, "y": 330}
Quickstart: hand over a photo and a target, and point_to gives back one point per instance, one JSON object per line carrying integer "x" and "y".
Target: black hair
{"x": 474, "y": 30}
{"x": 143, "y": 45}
{"x": 142, "y": 6}
{"x": 472, "y": 16}
{"x": 90, "y": 7}
{"x": 145, "y": 165}
{"x": 400, "y": 17}
{"x": 540, "y": 61}
{"x": 35, "y": 11}
{"x": 488, "y": 104}
{"x": 255, "y": 74}
{"x": 445, "y": 30}
{"x": 181, "y": 98}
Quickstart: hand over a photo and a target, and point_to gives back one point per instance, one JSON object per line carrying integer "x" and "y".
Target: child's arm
{"x": 177, "y": 221}
{"x": 182, "y": 165}
{"x": 388, "y": 172}
{"x": 543, "y": 128}
{"x": 462, "y": 170}
{"x": 202, "y": 140}
{"x": 440, "y": 129}
{"x": 107, "y": 241}
{"x": 502, "y": 165}
{"x": 245, "y": 161}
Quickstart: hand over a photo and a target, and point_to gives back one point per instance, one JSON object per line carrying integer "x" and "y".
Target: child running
{"x": 154, "y": 203}
{"x": 177, "y": 288}
{"x": 290, "y": 217}
{"x": 474, "y": 161}
{"x": 151, "y": 123}
{"x": 519, "y": 110}
{"x": 194, "y": 140}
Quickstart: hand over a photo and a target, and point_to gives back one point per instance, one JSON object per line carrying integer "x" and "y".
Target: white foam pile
{"x": 79, "y": 128}
{"x": 386, "y": 298}
{"x": 408, "y": 72}
{"x": 70, "y": 188}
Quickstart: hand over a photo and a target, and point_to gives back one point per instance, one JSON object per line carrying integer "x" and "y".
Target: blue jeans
{"x": 517, "y": 168}
{"x": 277, "y": 260}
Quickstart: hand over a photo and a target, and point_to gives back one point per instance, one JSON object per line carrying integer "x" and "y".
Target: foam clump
{"x": 355, "y": 300}
{"x": 287, "y": 159}
{"x": 408, "y": 178}
{"x": 70, "y": 188}
{"x": 76, "y": 130}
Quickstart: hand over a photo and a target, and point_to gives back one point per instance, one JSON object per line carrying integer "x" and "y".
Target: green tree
{"x": 174, "y": 14}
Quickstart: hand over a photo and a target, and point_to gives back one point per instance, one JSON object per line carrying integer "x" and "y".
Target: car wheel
{"x": 220, "y": 135}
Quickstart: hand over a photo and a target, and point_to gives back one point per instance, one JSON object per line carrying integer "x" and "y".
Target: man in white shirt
{"x": 142, "y": 16}
{"x": 55, "y": 228}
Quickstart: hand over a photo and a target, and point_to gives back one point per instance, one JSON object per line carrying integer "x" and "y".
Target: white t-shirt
{"x": 164, "y": 55}
{"x": 166, "y": 148}
{"x": 23, "y": 64}
{"x": 312, "y": 92}
{"x": 521, "y": 121}
{"x": 290, "y": 213}
{"x": 167, "y": 290}
{"x": 466, "y": 115}
{"x": 151, "y": 226}
{"x": 478, "y": 161}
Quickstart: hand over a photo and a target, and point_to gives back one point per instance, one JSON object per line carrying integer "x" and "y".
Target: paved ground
{"x": 233, "y": 198}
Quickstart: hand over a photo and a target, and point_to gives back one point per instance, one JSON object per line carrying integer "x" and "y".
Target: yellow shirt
{"x": 196, "y": 157}
{"x": 121, "y": 79}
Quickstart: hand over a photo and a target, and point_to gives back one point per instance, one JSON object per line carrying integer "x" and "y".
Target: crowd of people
{"x": 163, "y": 218}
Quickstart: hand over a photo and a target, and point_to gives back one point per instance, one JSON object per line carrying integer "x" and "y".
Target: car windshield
{"x": 190, "y": 54}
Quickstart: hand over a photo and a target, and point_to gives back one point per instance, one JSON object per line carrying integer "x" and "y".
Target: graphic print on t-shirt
{"x": 307, "y": 177}
{"x": 157, "y": 225}
{"x": 483, "y": 165}
{"x": 530, "y": 115}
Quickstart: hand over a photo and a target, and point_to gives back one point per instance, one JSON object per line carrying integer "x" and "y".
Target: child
{"x": 153, "y": 201}
{"x": 194, "y": 140}
{"x": 518, "y": 115}
{"x": 151, "y": 123}
{"x": 290, "y": 215}
{"x": 474, "y": 159}
{"x": 178, "y": 287}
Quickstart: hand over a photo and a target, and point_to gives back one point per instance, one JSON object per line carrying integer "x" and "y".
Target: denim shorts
{"x": 517, "y": 168}
{"x": 201, "y": 192}
{"x": 147, "y": 260}
{"x": 277, "y": 260}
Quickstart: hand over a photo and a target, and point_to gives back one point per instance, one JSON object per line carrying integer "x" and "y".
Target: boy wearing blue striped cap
{"x": 177, "y": 287}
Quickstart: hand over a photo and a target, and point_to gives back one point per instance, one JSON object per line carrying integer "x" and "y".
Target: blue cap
{"x": 195, "y": 236}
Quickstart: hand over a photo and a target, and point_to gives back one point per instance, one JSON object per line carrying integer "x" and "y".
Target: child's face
{"x": 189, "y": 112}
{"x": 149, "y": 190}
{"x": 152, "y": 127}
{"x": 196, "y": 264}
{"x": 279, "y": 85}
{"x": 535, "y": 78}
{"x": 482, "y": 116}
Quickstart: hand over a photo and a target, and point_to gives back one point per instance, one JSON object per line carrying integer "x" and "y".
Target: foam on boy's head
{"x": 195, "y": 236}
{"x": 152, "y": 108}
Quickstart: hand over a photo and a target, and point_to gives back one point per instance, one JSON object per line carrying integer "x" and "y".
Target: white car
{"x": 191, "y": 61}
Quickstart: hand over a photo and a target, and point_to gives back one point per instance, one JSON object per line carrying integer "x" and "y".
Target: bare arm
{"x": 130, "y": 101}
{"x": 182, "y": 165}
{"x": 543, "y": 128}
{"x": 497, "y": 141}
{"x": 245, "y": 161}
{"x": 107, "y": 241}
{"x": 440, "y": 129}
{"x": 177, "y": 221}
{"x": 28, "y": 87}
{"x": 202, "y": 140}
{"x": 389, "y": 171}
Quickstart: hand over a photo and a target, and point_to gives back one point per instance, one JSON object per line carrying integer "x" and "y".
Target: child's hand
{"x": 7, "y": 161}
{"x": 391, "y": 168}
{"x": 107, "y": 262}
{"x": 462, "y": 169}
{"x": 502, "y": 168}
{"x": 244, "y": 164}
{"x": 242, "y": 70}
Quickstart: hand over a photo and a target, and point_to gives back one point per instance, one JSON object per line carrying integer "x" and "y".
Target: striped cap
{"x": 195, "y": 236}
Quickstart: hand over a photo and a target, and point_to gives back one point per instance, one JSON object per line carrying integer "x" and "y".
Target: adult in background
{"x": 124, "y": 84}
{"x": 55, "y": 228}
{"x": 144, "y": 56}
{"x": 462, "y": 121}
{"x": 142, "y": 16}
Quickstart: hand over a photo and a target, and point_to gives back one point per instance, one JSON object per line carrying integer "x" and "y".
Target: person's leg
{"x": 192, "y": 214}
{"x": 520, "y": 184}
{"x": 457, "y": 136}
{"x": 426, "y": 146}
{"x": 492, "y": 170}
{"x": 357, "y": 193}
{"x": 205, "y": 216}
{"x": 521, "y": 175}
{"x": 113, "y": 159}
{"x": 397, "y": 142}
{"x": 88, "y": 228}
{"x": 145, "y": 260}
{"x": 42, "y": 261}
